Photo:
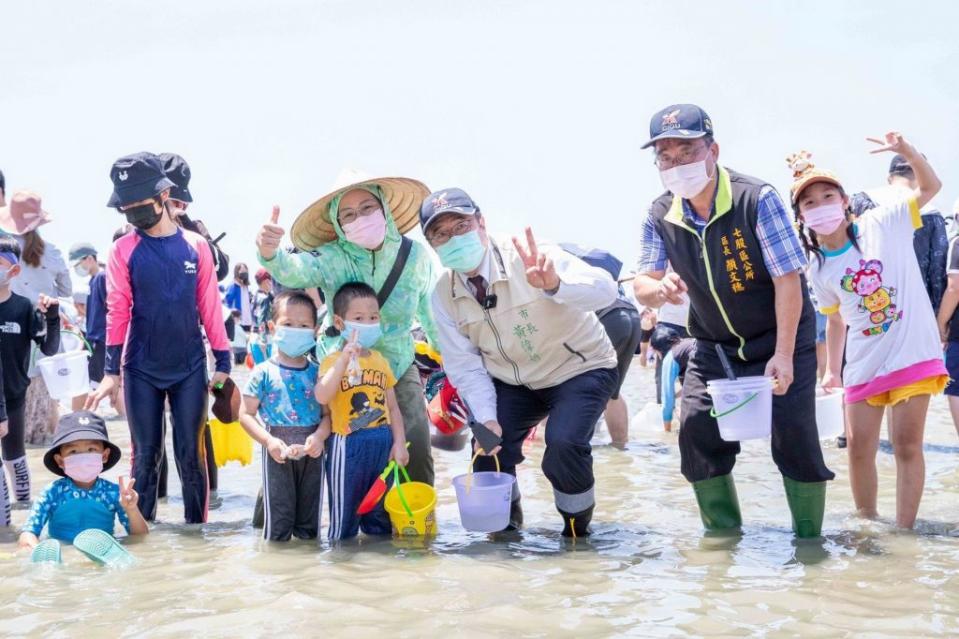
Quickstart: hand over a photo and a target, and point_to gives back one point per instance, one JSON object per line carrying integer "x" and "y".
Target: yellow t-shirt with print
{"x": 362, "y": 405}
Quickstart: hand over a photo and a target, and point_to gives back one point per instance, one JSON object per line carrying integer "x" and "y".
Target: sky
{"x": 538, "y": 109}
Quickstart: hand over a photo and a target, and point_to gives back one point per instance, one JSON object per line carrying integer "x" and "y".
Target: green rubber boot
{"x": 718, "y": 503}
{"x": 807, "y": 503}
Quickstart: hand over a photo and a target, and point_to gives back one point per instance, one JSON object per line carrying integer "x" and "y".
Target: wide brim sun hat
{"x": 403, "y": 197}
{"x": 805, "y": 173}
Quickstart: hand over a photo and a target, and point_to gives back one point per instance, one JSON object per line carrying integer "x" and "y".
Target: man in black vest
{"x": 733, "y": 250}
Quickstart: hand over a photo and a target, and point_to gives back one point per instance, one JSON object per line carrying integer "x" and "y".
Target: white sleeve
{"x": 463, "y": 364}
{"x": 581, "y": 286}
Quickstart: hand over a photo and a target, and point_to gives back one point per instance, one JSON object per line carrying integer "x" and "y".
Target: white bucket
{"x": 829, "y": 414}
{"x": 743, "y": 408}
{"x": 65, "y": 374}
{"x": 650, "y": 417}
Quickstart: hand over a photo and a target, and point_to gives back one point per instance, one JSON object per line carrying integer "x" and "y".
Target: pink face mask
{"x": 83, "y": 467}
{"x": 367, "y": 231}
{"x": 824, "y": 219}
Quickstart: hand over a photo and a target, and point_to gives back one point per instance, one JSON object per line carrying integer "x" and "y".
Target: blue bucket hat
{"x": 137, "y": 177}
{"x": 176, "y": 168}
{"x": 679, "y": 121}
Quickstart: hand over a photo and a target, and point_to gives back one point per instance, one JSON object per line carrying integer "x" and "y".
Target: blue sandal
{"x": 46, "y": 552}
{"x": 102, "y": 548}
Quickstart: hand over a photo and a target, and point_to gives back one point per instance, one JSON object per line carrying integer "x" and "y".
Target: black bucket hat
{"x": 137, "y": 177}
{"x": 75, "y": 427}
{"x": 176, "y": 168}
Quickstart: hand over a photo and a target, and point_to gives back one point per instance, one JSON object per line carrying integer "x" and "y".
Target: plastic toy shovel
{"x": 377, "y": 490}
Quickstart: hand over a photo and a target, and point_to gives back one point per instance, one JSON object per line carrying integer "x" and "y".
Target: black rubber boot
{"x": 515, "y": 516}
{"x": 576, "y": 525}
{"x": 718, "y": 503}
{"x": 807, "y": 504}
{"x": 258, "y": 515}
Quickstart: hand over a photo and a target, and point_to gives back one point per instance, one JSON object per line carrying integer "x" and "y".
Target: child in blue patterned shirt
{"x": 294, "y": 428}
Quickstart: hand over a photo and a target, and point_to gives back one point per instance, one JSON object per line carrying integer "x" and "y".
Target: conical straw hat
{"x": 403, "y": 196}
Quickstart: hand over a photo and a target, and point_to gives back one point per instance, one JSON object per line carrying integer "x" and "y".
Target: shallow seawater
{"x": 648, "y": 570}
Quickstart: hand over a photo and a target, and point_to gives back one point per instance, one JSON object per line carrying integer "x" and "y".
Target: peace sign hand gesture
{"x": 540, "y": 270}
{"x": 893, "y": 142}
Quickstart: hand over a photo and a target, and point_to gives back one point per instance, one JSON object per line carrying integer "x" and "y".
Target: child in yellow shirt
{"x": 356, "y": 385}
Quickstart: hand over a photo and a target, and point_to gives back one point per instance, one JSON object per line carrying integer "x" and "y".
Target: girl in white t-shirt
{"x": 866, "y": 277}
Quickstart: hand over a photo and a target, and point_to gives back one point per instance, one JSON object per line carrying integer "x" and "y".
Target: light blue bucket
{"x": 484, "y": 500}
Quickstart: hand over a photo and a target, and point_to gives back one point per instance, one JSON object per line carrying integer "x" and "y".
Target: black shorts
{"x": 97, "y": 361}
{"x": 623, "y": 329}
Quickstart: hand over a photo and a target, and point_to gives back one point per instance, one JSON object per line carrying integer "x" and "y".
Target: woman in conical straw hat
{"x": 354, "y": 234}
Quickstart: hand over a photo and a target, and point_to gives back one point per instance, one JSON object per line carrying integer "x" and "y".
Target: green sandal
{"x": 102, "y": 548}
{"x": 46, "y": 552}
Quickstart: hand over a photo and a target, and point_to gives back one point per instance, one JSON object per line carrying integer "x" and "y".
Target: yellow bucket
{"x": 230, "y": 443}
{"x": 412, "y": 507}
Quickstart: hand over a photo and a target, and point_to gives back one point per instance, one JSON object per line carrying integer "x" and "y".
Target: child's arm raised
{"x": 399, "y": 452}
{"x": 128, "y": 500}
{"x": 329, "y": 385}
{"x": 927, "y": 182}
{"x": 248, "y": 421}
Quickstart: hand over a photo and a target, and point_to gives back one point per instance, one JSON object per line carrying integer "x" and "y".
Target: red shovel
{"x": 377, "y": 490}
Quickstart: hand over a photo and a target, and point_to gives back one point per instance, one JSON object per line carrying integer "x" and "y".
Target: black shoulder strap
{"x": 406, "y": 245}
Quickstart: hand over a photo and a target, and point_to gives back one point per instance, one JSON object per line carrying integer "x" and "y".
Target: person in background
{"x": 930, "y": 241}
{"x": 23, "y": 325}
{"x": 3, "y": 190}
{"x": 621, "y": 320}
{"x": 263, "y": 302}
{"x": 43, "y": 271}
{"x": 178, "y": 171}
{"x": 83, "y": 257}
{"x": 238, "y": 296}
{"x": 239, "y": 341}
{"x": 675, "y": 360}
{"x": 948, "y": 320}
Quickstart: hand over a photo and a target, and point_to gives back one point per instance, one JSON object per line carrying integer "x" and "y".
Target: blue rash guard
{"x": 67, "y": 510}
{"x": 159, "y": 290}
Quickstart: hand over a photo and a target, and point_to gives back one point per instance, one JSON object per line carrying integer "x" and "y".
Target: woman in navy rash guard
{"x": 161, "y": 286}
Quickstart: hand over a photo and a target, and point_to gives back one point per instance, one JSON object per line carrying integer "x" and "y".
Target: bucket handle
{"x": 713, "y": 413}
{"x": 469, "y": 474}
{"x": 399, "y": 487}
{"x": 82, "y": 338}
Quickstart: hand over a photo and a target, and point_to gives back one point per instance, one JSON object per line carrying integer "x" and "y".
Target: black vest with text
{"x": 731, "y": 293}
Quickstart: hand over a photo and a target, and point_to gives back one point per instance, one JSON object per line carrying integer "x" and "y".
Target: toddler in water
{"x": 21, "y": 326}
{"x": 357, "y": 385}
{"x": 82, "y": 500}
{"x": 866, "y": 276}
{"x": 281, "y": 391}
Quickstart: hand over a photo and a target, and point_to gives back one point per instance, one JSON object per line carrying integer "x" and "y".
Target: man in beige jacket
{"x": 521, "y": 342}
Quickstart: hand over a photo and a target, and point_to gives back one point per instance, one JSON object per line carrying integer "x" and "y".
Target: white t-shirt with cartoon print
{"x": 893, "y": 338}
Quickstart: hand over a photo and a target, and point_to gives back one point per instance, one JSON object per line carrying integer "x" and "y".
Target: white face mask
{"x": 81, "y": 270}
{"x": 687, "y": 180}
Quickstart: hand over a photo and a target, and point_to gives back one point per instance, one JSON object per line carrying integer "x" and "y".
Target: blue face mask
{"x": 294, "y": 342}
{"x": 5, "y": 276}
{"x": 462, "y": 253}
{"x": 367, "y": 334}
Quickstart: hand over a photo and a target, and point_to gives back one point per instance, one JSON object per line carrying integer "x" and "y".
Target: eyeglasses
{"x": 686, "y": 155}
{"x": 462, "y": 227}
{"x": 347, "y": 216}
